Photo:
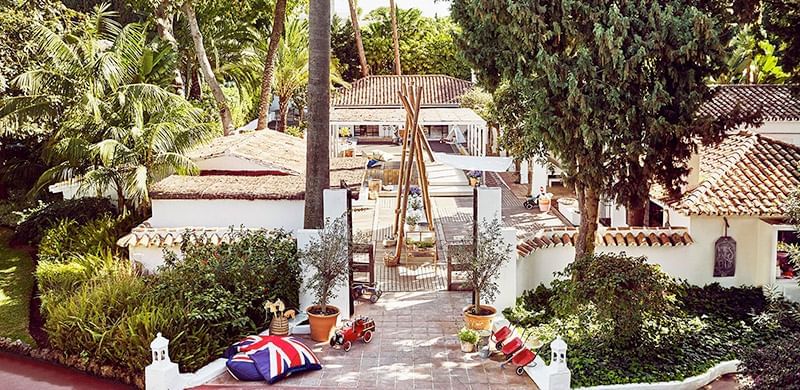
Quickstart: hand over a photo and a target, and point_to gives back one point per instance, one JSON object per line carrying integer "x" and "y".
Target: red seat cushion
{"x": 524, "y": 357}
{"x": 512, "y": 346}
{"x": 501, "y": 334}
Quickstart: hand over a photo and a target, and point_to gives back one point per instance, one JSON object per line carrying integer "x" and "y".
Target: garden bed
{"x": 683, "y": 330}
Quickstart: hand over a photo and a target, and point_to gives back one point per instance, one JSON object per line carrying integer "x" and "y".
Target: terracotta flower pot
{"x": 322, "y": 324}
{"x": 482, "y": 321}
{"x": 544, "y": 205}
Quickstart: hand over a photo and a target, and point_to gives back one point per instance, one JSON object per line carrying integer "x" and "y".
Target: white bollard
{"x": 162, "y": 373}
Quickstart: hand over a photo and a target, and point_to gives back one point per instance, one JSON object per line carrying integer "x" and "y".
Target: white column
{"x": 507, "y": 295}
{"x": 334, "y": 202}
{"x": 490, "y": 200}
{"x": 523, "y": 172}
{"x": 540, "y": 175}
{"x": 335, "y": 206}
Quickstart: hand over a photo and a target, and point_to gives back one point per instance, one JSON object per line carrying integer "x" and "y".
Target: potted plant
{"x": 412, "y": 218}
{"x": 326, "y": 258}
{"x": 474, "y": 177}
{"x": 344, "y": 132}
{"x": 415, "y": 203}
{"x": 482, "y": 262}
{"x": 468, "y": 338}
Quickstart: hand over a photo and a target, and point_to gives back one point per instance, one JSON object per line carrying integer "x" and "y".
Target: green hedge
{"x": 36, "y": 221}
{"x": 95, "y": 304}
{"x": 702, "y": 327}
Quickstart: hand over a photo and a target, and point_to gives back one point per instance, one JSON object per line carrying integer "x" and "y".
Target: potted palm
{"x": 326, "y": 258}
{"x": 412, "y": 218}
{"x": 482, "y": 263}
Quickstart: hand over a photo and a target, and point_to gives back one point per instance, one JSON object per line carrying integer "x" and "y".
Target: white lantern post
{"x": 560, "y": 376}
{"x": 162, "y": 373}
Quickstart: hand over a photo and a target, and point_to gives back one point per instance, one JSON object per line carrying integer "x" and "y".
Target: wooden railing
{"x": 453, "y": 266}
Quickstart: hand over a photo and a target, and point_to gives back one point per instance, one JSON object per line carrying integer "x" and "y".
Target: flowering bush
{"x": 415, "y": 191}
{"x": 475, "y": 174}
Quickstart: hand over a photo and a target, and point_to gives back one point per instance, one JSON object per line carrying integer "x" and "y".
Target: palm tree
{"x": 362, "y": 58}
{"x": 318, "y": 158}
{"x": 395, "y": 38}
{"x": 291, "y": 70}
{"x": 111, "y": 125}
{"x": 269, "y": 63}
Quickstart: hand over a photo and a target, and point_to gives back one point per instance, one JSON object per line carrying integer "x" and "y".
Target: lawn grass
{"x": 16, "y": 287}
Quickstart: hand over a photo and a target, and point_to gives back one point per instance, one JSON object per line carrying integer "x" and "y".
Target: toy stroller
{"x": 363, "y": 288}
{"x": 531, "y": 202}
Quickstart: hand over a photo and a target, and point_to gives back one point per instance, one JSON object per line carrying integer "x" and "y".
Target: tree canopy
{"x": 609, "y": 88}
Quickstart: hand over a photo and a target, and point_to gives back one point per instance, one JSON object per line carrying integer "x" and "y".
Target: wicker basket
{"x": 279, "y": 326}
{"x": 389, "y": 260}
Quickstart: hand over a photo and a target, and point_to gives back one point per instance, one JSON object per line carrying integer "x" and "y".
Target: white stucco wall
{"x": 786, "y": 131}
{"x": 285, "y": 214}
{"x": 755, "y": 259}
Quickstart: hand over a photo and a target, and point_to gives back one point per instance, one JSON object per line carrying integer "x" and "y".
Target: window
{"x": 366, "y": 130}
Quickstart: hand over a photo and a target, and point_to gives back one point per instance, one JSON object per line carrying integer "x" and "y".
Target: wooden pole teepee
{"x": 413, "y": 141}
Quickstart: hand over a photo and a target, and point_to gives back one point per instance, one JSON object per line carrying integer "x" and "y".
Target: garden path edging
{"x": 691, "y": 383}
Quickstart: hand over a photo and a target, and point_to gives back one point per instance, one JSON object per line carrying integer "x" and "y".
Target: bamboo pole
{"x": 407, "y": 183}
{"x": 400, "y": 176}
{"x": 419, "y": 137}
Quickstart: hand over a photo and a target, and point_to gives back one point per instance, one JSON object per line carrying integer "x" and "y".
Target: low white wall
{"x": 695, "y": 262}
{"x": 788, "y": 131}
{"x": 271, "y": 214}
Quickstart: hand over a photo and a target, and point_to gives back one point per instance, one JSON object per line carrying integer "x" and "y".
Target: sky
{"x": 428, "y": 7}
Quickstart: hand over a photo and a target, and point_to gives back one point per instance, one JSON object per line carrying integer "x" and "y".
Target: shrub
{"x": 681, "y": 344}
{"x": 61, "y": 277}
{"x": 34, "y": 222}
{"x": 737, "y": 303}
{"x": 226, "y": 285}
{"x": 114, "y": 319}
{"x": 295, "y": 131}
{"x": 69, "y": 238}
{"x": 621, "y": 292}
{"x": 532, "y": 307}
{"x": 775, "y": 365}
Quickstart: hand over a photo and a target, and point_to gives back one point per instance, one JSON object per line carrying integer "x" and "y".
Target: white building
{"x": 743, "y": 183}
{"x": 371, "y": 110}
{"x": 251, "y": 180}
{"x": 736, "y": 189}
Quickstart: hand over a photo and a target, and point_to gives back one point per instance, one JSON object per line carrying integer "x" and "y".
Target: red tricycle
{"x": 361, "y": 328}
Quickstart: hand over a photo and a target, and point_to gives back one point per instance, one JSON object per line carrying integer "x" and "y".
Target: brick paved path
{"x": 415, "y": 347}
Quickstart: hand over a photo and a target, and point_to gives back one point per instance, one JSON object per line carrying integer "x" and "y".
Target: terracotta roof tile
{"x": 161, "y": 237}
{"x": 382, "y": 91}
{"x": 775, "y": 102}
{"x": 624, "y": 236}
{"x": 746, "y": 174}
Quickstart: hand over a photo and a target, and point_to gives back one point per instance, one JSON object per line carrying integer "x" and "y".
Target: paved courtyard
{"x": 415, "y": 347}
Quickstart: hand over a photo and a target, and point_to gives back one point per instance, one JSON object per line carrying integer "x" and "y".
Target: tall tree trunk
{"x": 635, "y": 214}
{"x": 395, "y": 38}
{"x": 269, "y": 63}
{"x": 195, "y": 92}
{"x": 205, "y": 67}
{"x": 165, "y": 33}
{"x": 362, "y": 57}
{"x": 319, "y": 84}
{"x": 283, "y": 115}
{"x": 589, "y": 203}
